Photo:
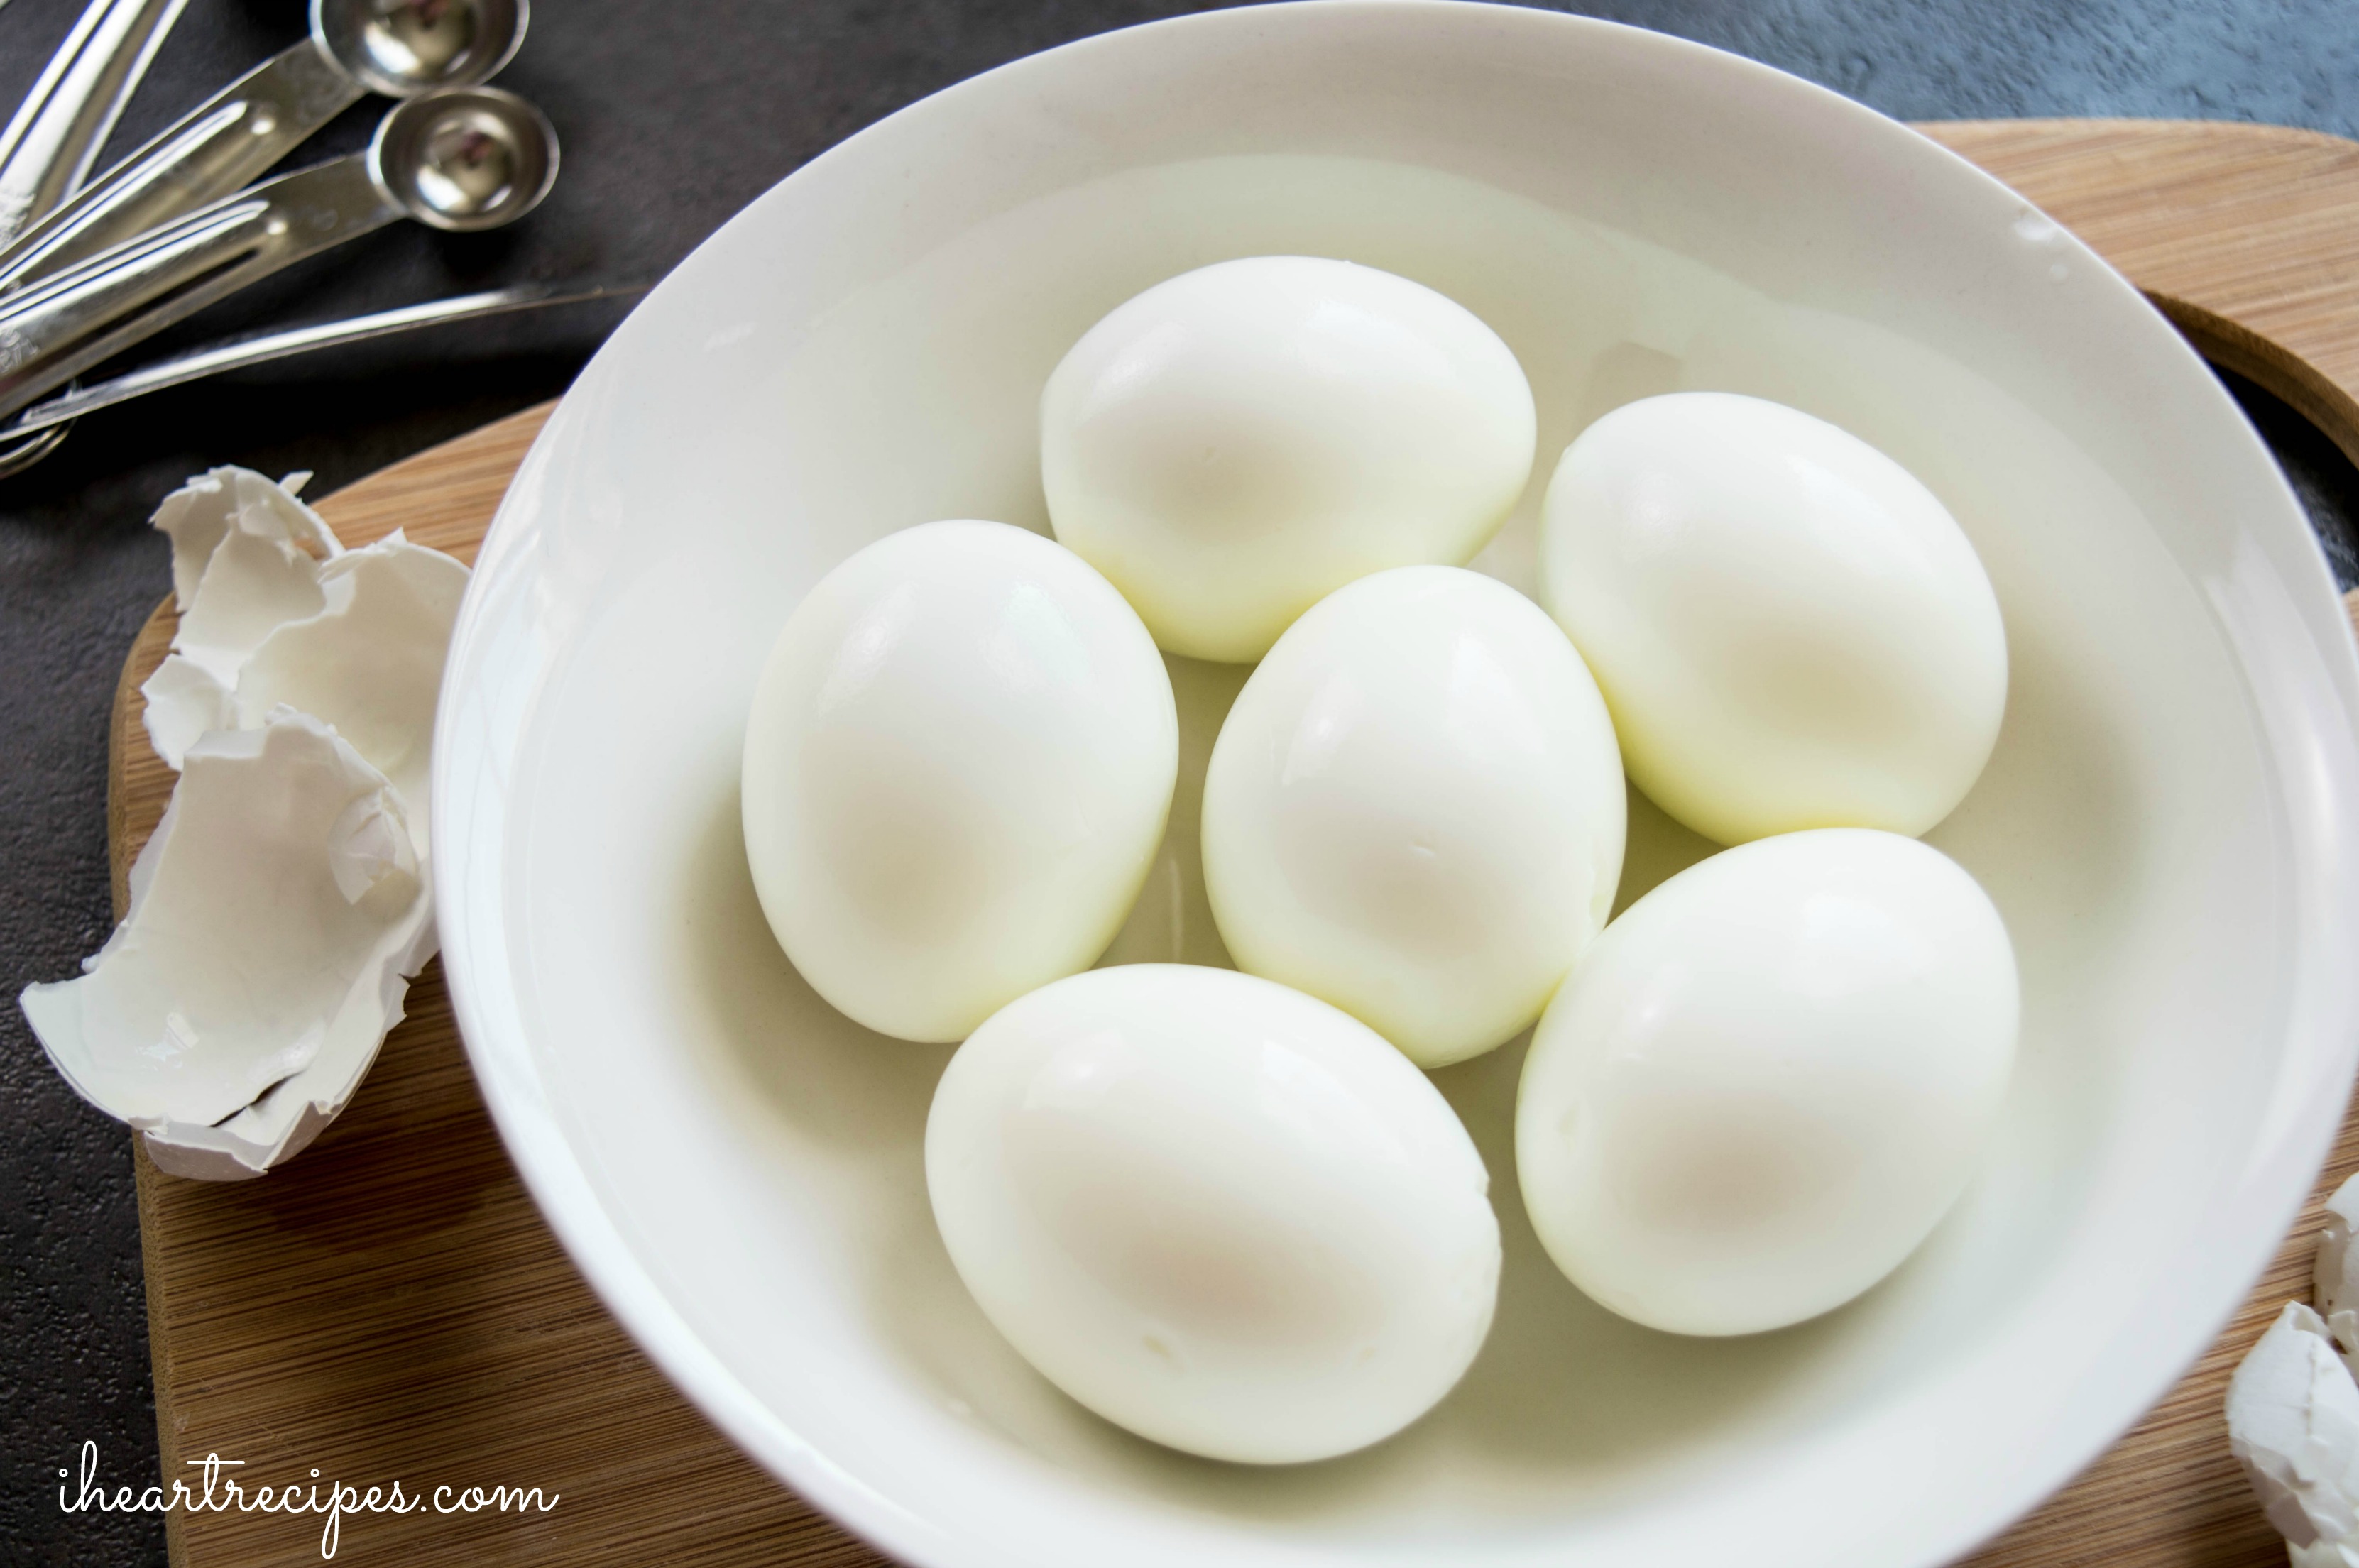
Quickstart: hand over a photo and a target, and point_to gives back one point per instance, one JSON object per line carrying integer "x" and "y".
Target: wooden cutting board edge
{"x": 2246, "y": 237}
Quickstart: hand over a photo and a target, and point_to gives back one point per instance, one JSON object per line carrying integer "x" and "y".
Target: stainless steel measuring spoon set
{"x": 88, "y": 269}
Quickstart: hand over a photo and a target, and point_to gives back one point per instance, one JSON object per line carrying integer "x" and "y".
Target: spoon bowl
{"x": 465, "y": 158}
{"x": 456, "y": 159}
{"x": 402, "y": 47}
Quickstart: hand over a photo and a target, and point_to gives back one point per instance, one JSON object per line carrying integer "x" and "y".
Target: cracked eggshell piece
{"x": 182, "y": 700}
{"x": 246, "y": 559}
{"x": 2334, "y": 1278}
{"x": 277, "y": 916}
{"x": 260, "y": 549}
{"x": 2293, "y": 1424}
{"x": 370, "y": 662}
{"x": 203, "y": 513}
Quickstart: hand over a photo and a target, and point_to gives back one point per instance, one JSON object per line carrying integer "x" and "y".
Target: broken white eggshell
{"x": 2323, "y": 1555}
{"x": 370, "y": 662}
{"x": 2293, "y": 1423}
{"x": 269, "y": 547}
{"x": 2334, "y": 1279}
{"x": 261, "y": 550}
{"x": 182, "y": 702}
{"x": 271, "y": 938}
{"x": 203, "y": 513}
{"x": 277, "y": 916}
{"x": 359, "y": 640}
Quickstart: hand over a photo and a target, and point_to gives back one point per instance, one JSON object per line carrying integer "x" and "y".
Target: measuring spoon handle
{"x": 217, "y": 148}
{"x": 55, "y": 136}
{"x": 55, "y": 330}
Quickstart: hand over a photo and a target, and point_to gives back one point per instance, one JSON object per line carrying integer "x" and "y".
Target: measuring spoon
{"x": 460, "y": 158}
{"x": 399, "y": 47}
{"x": 48, "y": 147}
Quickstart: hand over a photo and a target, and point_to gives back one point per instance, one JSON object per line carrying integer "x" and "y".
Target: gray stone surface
{"x": 665, "y": 136}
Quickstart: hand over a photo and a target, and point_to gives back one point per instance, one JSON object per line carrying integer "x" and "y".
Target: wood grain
{"x": 391, "y": 1306}
{"x": 2247, "y": 236}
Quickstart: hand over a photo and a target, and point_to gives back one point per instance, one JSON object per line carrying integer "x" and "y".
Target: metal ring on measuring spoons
{"x": 20, "y": 455}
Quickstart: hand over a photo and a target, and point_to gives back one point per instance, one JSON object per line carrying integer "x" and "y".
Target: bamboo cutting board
{"x": 390, "y": 1305}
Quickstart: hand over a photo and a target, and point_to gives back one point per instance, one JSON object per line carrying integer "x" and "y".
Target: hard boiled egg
{"x": 1415, "y": 810}
{"x": 1791, "y": 631}
{"x": 1214, "y": 1211}
{"x": 1238, "y": 442}
{"x": 957, "y": 767}
{"x": 1767, "y": 1081}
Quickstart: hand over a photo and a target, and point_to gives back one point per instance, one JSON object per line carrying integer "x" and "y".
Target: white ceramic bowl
{"x": 2167, "y": 824}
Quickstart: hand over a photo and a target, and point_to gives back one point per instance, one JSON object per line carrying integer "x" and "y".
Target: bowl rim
{"x": 2277, "y": 1181}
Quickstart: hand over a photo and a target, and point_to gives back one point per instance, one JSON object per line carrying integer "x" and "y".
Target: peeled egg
{"x": 1215, "y": 1211}
{"x": 1238, "y": 442}
{"x": 1791, "y": 631}
{"x": 957, "y": 766}
{"x": 1765, "y": 1083}
{"x": 1415, "y": 810}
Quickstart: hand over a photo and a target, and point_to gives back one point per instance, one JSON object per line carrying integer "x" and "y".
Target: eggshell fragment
{"x": 276, "y": 915}
{"x": 259, "y": 548}
{"x": 370, "y": 662}
{"x": 281, "y": 905}
{"x": 203, "y": 513}
{"x": 2334, "y": 1278}
{"x": 181, "y": 700}
{"x": 364, "y": 649}
{"x": 268, "y": 546}
{"x": 2293, "y": 1423}
{"x": 357, "y": 638}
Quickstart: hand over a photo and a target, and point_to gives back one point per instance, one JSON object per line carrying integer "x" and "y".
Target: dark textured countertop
{"x": 673, "y": 116}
